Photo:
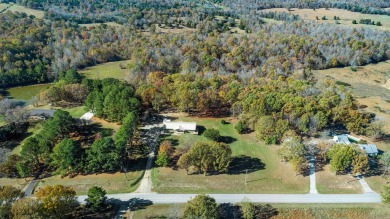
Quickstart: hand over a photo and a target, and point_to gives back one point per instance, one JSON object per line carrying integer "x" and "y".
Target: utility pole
{"x": 246, "y": 175}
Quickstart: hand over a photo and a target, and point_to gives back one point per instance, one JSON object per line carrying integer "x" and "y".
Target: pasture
{"x": 106, "y": 70}
{"x": 370, "y": 85}
{"x": 346, "y": 17}
{"x": 22, "y": 9}
{"x": 266, "y": 172}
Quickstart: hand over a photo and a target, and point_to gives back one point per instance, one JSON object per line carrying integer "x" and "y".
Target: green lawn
{"x": 32, "y": 130}
{"x": 106, "y": 70}
{"x": 76, "y": 112}
{"x": 274, "y": 177}
{"x": 2, "y": 122}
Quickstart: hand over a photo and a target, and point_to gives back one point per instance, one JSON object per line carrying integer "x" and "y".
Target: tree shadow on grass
{"x": 242, "y": 164}
{"x": 201, "y": 129}
{"x": 228, "y": 210}
{"x": 227, "y": 139}
{"x": 132, "y": 204}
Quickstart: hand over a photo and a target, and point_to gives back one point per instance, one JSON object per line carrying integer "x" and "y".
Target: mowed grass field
{"x": 346, "y": 17}
{"x": 286, "y": 211}
{"x": 266, "y": 172}
{"x": 106, "y": 70}
{"x": 19, "y": 8}
{"x": 112, "y": 183}
{"x": 330, "y": 183}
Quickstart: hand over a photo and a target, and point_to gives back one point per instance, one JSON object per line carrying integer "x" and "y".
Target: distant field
{"x": 114, "y": 24}
{"x": 26, "y": 93}
{"x": 106, "y": 70}
{"x": 330, "y": 183}
{"x": 275, "y": 177}
{"x": 112, "y": 183}
{"x": 346, "y": 17}
{"x": 370, "y": 85}
{"x": 19, "y": 8}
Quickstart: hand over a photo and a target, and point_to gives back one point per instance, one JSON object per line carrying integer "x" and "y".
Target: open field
{"x": 19, "y": 8}
{"x": 17, "y": 183}
{"x": 330, "y": 183}
{"x": 295, "y": 211}
{"x": 346, "y": 17}
{"x": 266, "y": 174}
{"x": 106, "y": 70}
{"x": 370, "y": 85}
{"x": 26, "y": 93}
{"x": 114, "y": 24}
{"x": 377, "y": 182}
{"x": 112, "y": 183}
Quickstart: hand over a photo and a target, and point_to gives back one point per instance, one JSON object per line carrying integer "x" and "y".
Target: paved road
{"x": 30, "y": 188}
{"x": 261, "y": 198}
{"x": 365, "y": 186}
{"x": 313, "y": 187}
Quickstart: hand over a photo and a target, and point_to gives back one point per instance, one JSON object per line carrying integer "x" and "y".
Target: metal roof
{"x": 182, "y": 126}
{"x": 342, "y": 139}
{"x": 369, "y": 148}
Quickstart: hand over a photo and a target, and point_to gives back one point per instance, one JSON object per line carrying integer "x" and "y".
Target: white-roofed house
{"x": 370, "y": 149}
{"x": 86, "y": 118}
{"x": 180, "y": 127}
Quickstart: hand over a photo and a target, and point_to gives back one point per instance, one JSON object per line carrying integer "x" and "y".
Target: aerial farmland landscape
{"x": 206, "y": 109}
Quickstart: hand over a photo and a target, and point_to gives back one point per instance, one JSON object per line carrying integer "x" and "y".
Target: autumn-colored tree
{"x": 57, "y": 201}
{"x": 28, "y": 208}
{"x": 8, "y": 195}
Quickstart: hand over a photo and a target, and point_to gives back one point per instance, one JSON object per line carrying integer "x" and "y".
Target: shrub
{"x": 212, "y": 134}
{"x": 241, "y": 127}
{"x": 223, "y": 122}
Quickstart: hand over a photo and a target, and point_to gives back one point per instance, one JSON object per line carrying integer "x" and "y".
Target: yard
{"x": 330, "y": 183}
{"x": 266, "y": 172}
{"x": 106, "y": 70}
{"x": 112, "y": 183}
{"x": 346, "y": 17}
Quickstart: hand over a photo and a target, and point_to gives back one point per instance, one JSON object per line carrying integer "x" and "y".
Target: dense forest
{"x": 36, "y": 50}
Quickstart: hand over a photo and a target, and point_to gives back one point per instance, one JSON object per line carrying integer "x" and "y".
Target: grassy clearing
{"x": 22, "y": 9}
{"x": 26, "y": 93}
{"x": 377, "y": 182}
{"x": 330, "y": 183}
{"x": 76, "y": 112}
{"x": 274, "y": 177}
{"x": 106, "y": 70}
{"x": 105, "y": 124}
{"x": 346, "y": 17}
{"x": 114, "y": 24}
{"x": 32, "y": 130}
{"x": 17, "y": 183}
{"x": 2, "y": 122}
{"x": 112, "y": 183}
{"x": 369, "y": 84}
